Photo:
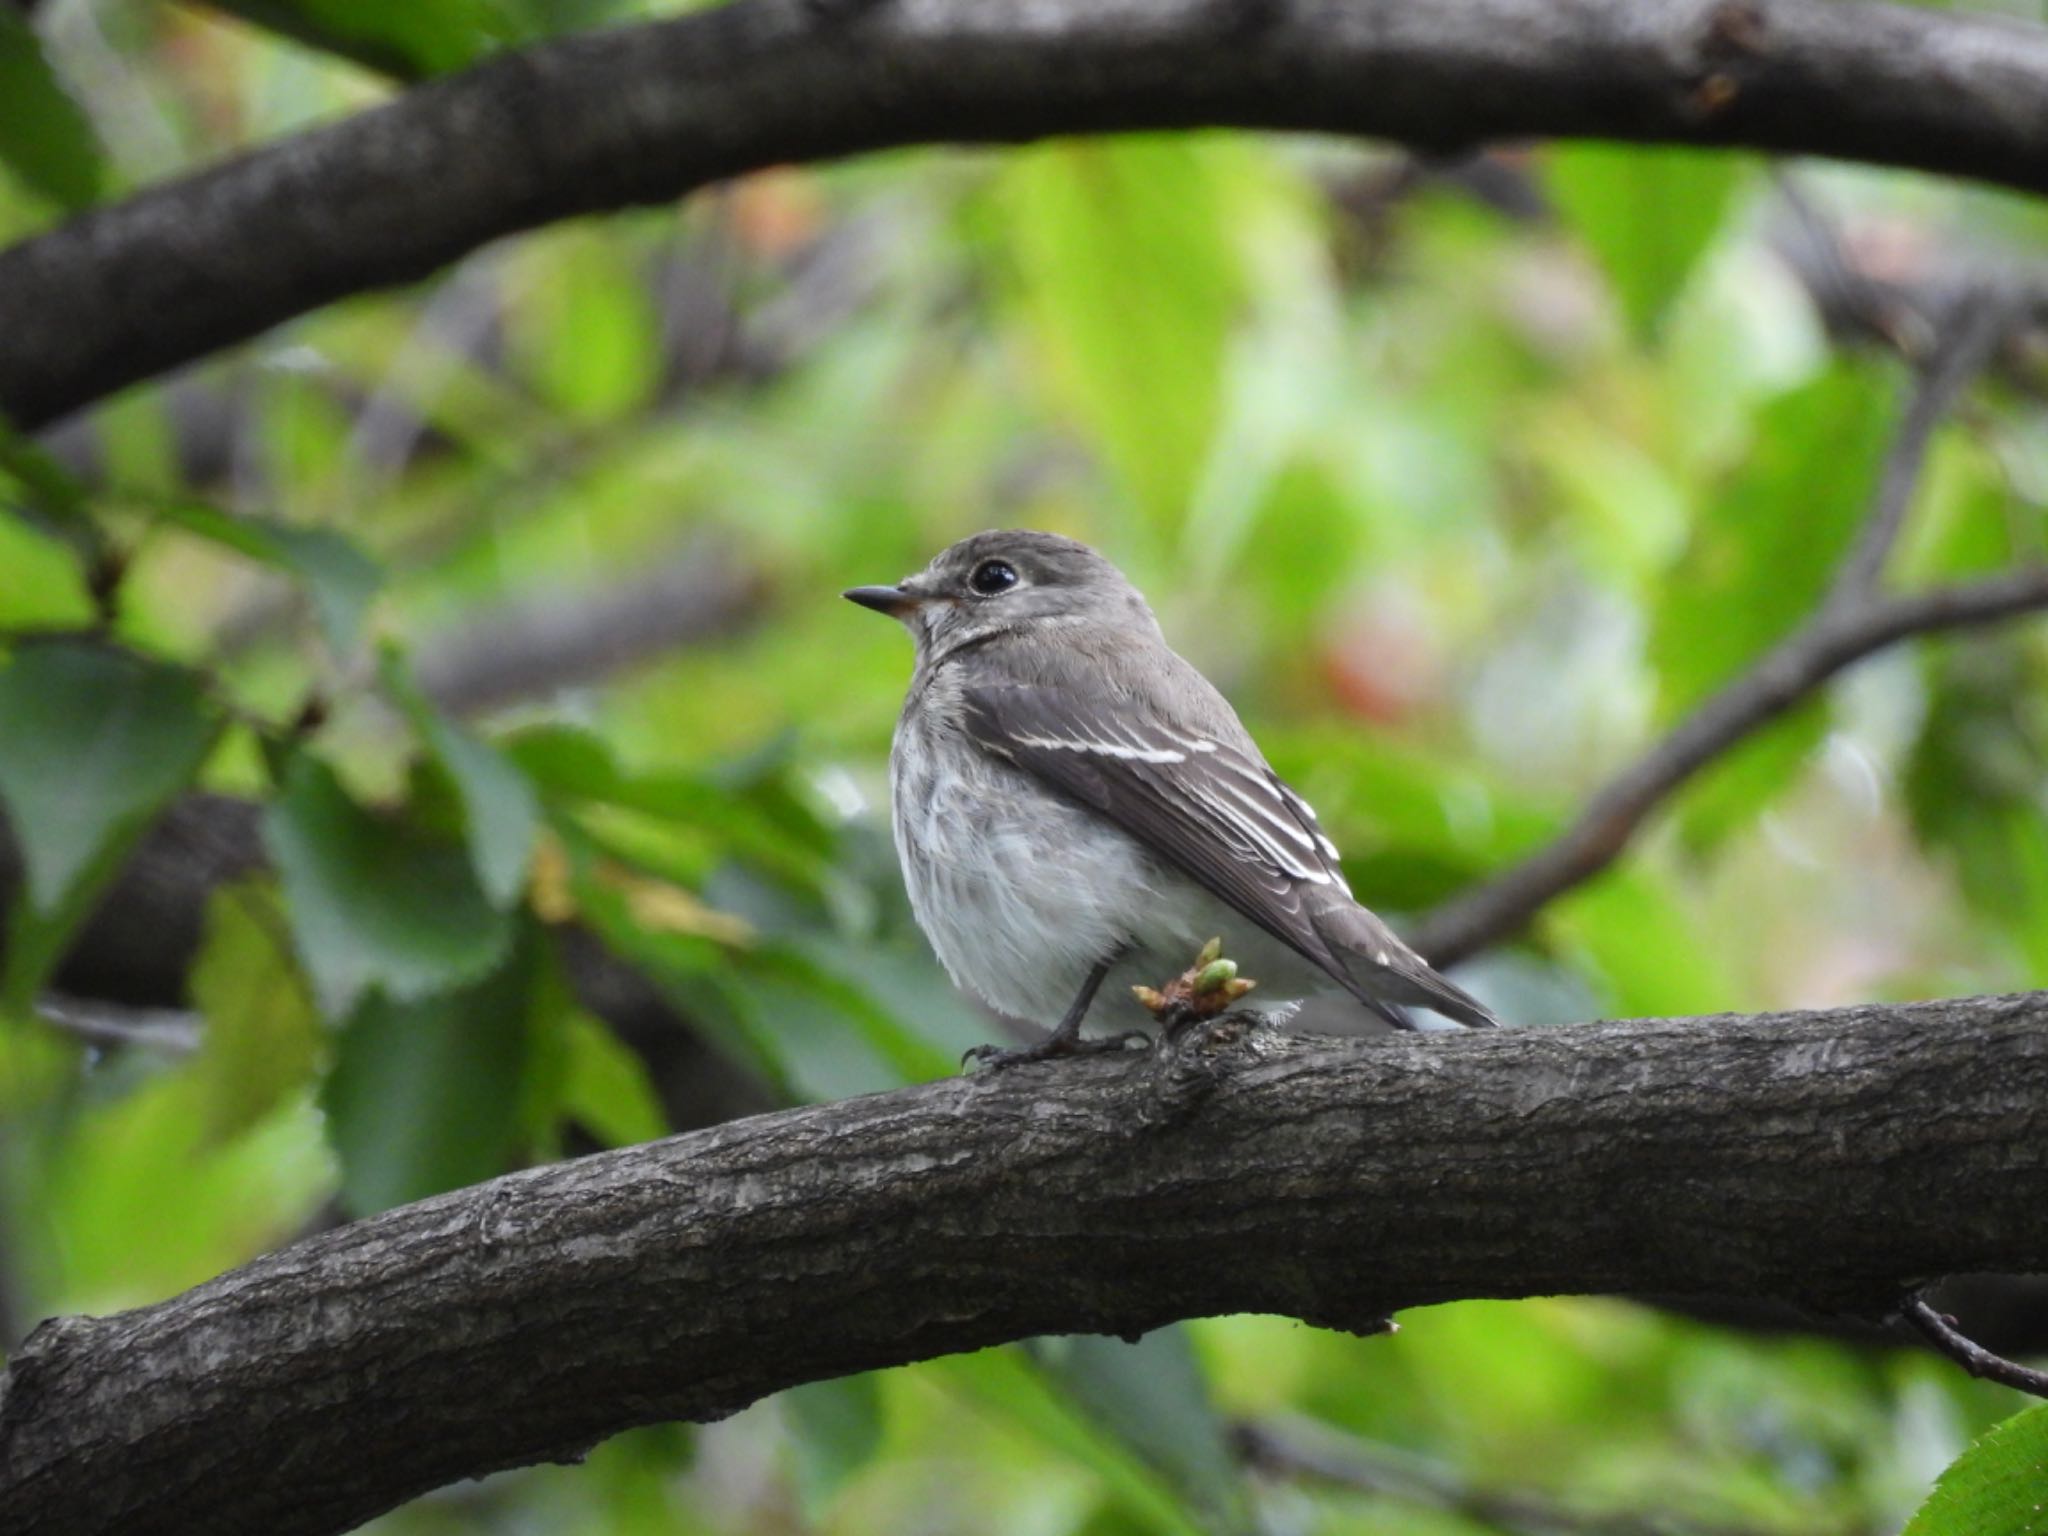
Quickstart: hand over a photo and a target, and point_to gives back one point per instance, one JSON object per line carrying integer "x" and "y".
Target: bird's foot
{"x": 1209, "y": 987}
{"x": 993, "y": 1058}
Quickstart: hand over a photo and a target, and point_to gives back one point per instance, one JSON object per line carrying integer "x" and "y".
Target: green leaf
{"x": 605, "y": 1087}
{"x": 36, "y": 940}
{"x": 835, "y": 1428}
{"x": 1764, "y": 552}
{"x": 1131, "y": 284}
{"x": 588, "y": 335}
{"x": 375, "y": 902}
{"x": 1647, "y": 215}
{"x": 425, "y": 1096}
{"x": 1759, "y": 562}
{"x": 1976, "y": 786}
{"x": 500, "y": 810}
{"x": 44, "y": 137}
{"x": 406, "y": 39}
{"x": 92, "y": 740}
{"x": 1008, "y": 1386}
{"x": 41, "y": 586}
{"x": 339, "y": 578}
{"x": 755, "y": 820}
{"x": 1998, "y": 1487}
{"x": 1631, "y": 929}
{"x": 1738, "y": 784}
{"x": 263, "y": 1040}
{"x": 1153, "y": 1396}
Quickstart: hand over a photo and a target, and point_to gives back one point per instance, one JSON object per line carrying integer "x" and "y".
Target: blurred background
{"x": 541, "y": 799}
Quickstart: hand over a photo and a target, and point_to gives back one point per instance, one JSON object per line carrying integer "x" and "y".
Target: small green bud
{"x": 1215, "y": 975}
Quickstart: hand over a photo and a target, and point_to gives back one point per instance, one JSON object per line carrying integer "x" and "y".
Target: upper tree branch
{"x": 642, "y": 114}
{"x": 1837, "y": 1158}
{"x": 1855, "y": 618}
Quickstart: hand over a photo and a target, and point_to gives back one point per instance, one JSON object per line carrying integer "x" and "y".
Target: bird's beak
{"x": 894, "y": 601}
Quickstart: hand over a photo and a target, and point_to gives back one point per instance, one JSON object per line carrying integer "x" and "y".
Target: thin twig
{"x": 1973, "y": 1357}
{"x": 1853, "y": 620}
{"x": 1298, "y": 1448}
{"x": 1840, "y": 287}
{"x": 1981, "y": 319}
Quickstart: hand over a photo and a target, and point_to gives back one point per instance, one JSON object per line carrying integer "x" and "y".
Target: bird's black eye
{"x": 993, "y": 576}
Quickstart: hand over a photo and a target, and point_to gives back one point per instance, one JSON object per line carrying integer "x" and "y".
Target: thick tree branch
{"x": 1855, "y": 618}
{"x": 642, "y": 114}
{"x": 1837, "y": 1158}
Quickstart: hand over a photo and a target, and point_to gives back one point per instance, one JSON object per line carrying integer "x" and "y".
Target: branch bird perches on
{"x": 1838, "y": 1158}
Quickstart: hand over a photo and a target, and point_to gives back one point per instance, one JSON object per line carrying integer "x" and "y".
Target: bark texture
{"x": 1833, "y": 1158}
{"x": 642, "y": 114}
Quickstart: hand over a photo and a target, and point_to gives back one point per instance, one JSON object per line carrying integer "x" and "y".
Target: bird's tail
{"x": 1380, "y": 971}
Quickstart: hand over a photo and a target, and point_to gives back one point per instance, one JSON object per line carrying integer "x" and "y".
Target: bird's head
{"x": 1008, "y": 580}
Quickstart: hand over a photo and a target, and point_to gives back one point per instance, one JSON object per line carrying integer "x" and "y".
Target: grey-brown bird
{"x": 1072, "y": 800}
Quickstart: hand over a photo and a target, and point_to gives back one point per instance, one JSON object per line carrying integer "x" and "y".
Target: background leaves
{"x": 1461, "y": 478}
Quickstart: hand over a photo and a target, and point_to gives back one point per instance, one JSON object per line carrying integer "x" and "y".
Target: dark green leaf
{"x": 1009, "y": 1386}
{"x": 263, "y": 1038}
{"x": 835, "y": 1428}
{"x": 1647, "y": 215}
{"x": 46, "y": 486}
{"x": 1730, "y": 791}
{"x": 755, "y": 819}
{"x": 1975, "y": 786}
{"x": 36, "y": 940}
{"x": 1153, "y": 1396}
{"x": 1998, "y": 1487}
{"x": 92, "y": 740}
{"x": 500, "y": 811}
{"x": 44, "y": 137}
{"x": 375, "y": 902}
{"x": 425, "y": 1096}
{"x": 337, "y": 575}
{"x": 1767, "y": 547}
{"x": 402, "y": 38}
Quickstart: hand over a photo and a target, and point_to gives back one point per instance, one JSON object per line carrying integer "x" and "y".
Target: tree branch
{"x": 612, "y": 118}
{"x": 539, "y": 644}
{"x": 1962, "y": 347}
{"x": 1855, "y": 618}
{"x": 1836, "y": 1158}
{"x": 1973, "y": 1357}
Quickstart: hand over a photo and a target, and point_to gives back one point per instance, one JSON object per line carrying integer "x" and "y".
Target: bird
{"x": 1072, "y": 799}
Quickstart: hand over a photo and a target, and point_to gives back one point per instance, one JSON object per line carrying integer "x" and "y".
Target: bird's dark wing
{"x": 1209, "y": 807}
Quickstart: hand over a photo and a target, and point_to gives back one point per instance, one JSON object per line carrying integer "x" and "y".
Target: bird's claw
{"x": 993, "y": 1058}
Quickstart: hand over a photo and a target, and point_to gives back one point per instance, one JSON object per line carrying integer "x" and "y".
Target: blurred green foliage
{"x": 1461, "y": 506}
